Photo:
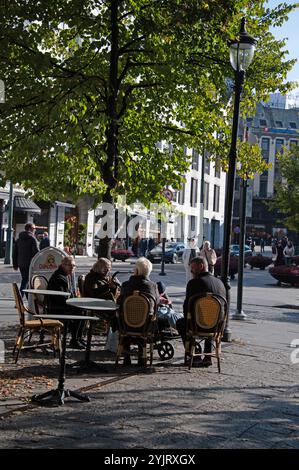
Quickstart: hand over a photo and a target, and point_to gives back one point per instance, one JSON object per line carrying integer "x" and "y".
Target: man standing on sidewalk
{"x": 24, "y": 249}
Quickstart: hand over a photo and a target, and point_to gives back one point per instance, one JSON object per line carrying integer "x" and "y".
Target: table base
{"x": 57, "y": 396}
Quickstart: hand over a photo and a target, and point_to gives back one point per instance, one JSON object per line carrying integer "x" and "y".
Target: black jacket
{"x": 140, "y": 283}
{"x": 99, "y": 286}
{"x": 205, "y": 282}
{"x": 58, "y": 281}
{"x": 44, "y": 243}
{"x": 24, "y": 249}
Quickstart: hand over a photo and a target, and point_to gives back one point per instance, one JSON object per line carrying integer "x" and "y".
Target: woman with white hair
{"x": 209, "y": 254}
{"x": 139, "y": 281}
{"x": 99, "y": 282}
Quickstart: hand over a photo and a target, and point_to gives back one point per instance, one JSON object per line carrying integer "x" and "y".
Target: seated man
{"x": 61, "y": 281}
{"x": 139, "y": 281}
{"x": 202, "y": 282}
{"x": 99, "y": 283}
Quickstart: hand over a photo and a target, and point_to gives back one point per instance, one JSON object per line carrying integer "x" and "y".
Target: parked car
{"x": 173, "y": 252}
{"x": 234, "y": 250}
{"x": 121, "y": 254}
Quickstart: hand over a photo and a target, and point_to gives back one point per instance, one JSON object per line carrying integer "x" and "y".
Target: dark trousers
{"x": 181, "y": 327}
{"x": 25, "y": 279}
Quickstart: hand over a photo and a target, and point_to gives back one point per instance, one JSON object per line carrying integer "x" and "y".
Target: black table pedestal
{"x": 58, "y": 395}
{"x": 87, "y": 365}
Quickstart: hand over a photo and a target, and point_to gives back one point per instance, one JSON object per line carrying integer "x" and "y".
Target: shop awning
{"x": 21, "y": 204}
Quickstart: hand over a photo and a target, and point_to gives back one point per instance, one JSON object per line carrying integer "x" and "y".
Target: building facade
{"x": 274, "y": 128}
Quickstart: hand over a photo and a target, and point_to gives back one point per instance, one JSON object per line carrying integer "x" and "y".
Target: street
{"x": 253, "y": 403}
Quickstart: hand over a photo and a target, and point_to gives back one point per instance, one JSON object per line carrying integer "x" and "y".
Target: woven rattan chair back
{"x": 207, "y": 311}
{"x": 81, "y": 281}
{"x": 19, "y": 304}
{"x": 39, "y": 282}
{"x": 135, "y": 310}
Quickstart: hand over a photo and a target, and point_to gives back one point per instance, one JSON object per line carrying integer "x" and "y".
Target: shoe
{"x": 127, "y": 361}
{"x": 76, "y": 345}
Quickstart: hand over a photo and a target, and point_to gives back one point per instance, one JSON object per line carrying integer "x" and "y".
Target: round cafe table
{"x": 103, "y": 309}
{"x": 58, "y": 395}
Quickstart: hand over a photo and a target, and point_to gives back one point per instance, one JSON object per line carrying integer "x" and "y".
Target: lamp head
{"x": 242, "y": 49}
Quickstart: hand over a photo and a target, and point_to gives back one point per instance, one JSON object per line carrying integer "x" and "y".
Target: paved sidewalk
{"x": 252, "y": 404}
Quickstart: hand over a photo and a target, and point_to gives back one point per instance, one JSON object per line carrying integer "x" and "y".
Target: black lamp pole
{"x": 163, "y": 273}
{"x": 239, "y": 314}
{"x": 9, "y": 230}
{"x": 241, "y": 54}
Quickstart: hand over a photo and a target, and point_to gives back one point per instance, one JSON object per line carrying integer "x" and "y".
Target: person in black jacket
{"x": 202, "y": 282}
{"x": 45, "y": 241}
{"x": 139, "y": 281}
{"x": 61, "y": 281}
{"x": 99, "y": 282}
{"x": 24, "y": 250}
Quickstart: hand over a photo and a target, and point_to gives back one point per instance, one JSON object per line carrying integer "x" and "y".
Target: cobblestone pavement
{"x": 252, "y": 404}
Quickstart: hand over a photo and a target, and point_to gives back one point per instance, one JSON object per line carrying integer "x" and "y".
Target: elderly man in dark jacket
{"x": 24, "y": 250}
{"x": 139, "y": 281}
{"x": 61, "y": 281}
{"x": 202, "y": 282}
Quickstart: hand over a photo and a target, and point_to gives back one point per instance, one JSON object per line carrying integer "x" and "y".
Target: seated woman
{"x": 139, "y": 281}
{"x": 99, "y": 282}
{"x": 165, "y": 312}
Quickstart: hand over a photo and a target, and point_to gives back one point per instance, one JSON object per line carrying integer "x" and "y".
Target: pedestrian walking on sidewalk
{"x": 210, "y": 255}
{"x": 188, "y": 254}
{"x": 24, "y": 250}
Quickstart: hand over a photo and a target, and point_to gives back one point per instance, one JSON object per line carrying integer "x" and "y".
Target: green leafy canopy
{"x": 93, "y": 85}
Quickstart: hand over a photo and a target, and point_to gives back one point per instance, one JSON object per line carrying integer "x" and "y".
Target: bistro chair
{"x": 206, "y": 318}
{"x": 136, "y": 321}
{"x": 39, "y": 282}
{"x": 81, "y": 280}
{"x": 28, "y": 327}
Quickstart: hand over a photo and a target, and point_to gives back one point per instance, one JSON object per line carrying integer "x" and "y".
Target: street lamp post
{"x": 9, "y": 230}
{"x": 241, "y": 55}
{"x": 239, "y": 314}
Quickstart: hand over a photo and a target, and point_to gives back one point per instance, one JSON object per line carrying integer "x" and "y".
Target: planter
{"x": 286, "y": 274}
{"x": 259, "y": 261}
{"x": 233, "y": 266}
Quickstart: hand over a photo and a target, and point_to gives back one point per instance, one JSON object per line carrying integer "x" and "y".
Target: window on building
{"x": 278, "y": 146}
{"x": 293, "y": 143}
{"x": 193, "y": 192}
{"x": 278, "y": 124}
{"x": 293, "y": 125}
{"x": 192, "y": 223}
{"x": 185, "y": 148}
{"x": 216, "y": 198}
{"x": 265, "y": 148}
{"x": 217, "y": 168}
{"x": 263, "y": 187}
{"x": 249, "y": 120}
{"x": 194, "y": 159}
{"x": 206, "y": 196}
{"x": 181, "y": 195}
{"x": 237, "y": 183}
{"x": 206, "y": 164}
{"x": 263, "y": 123}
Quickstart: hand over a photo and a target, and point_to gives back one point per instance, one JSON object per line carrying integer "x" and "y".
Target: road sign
{"x": 168, "y": 194}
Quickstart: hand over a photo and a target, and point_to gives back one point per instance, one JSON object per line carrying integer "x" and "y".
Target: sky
{"x": 290, "y": 30}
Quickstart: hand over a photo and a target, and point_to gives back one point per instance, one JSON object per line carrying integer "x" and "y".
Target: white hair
{"x": 143, "y": 267}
